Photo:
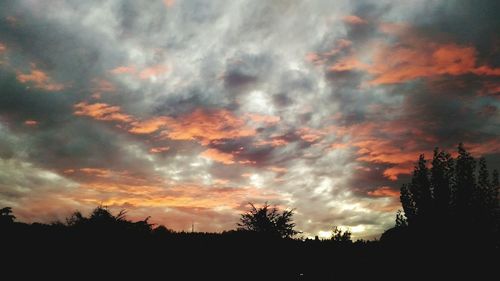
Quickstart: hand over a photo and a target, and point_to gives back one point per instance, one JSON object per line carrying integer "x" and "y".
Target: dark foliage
{"x": 6, "y": 216}
{"x": 453, "y": 201}
{"x": 269, "y": 221}
{"x": 341, "y": 236}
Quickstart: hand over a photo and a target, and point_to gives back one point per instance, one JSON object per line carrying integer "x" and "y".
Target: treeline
{"x": 449, "y": 200}
{"x": 450, "y": 209}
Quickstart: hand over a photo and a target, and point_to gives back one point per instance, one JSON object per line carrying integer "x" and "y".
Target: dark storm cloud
{"x": 467, "y": 22}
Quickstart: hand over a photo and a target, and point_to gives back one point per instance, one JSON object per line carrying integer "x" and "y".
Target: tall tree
{"x": 408, "y": 204}
{"x": 495, "y": 186}
{"x": 420, "y": 187}
{"x": 464, "y": 183}
{"x": 442, "y": 181}
{"x": 450, "y": 195}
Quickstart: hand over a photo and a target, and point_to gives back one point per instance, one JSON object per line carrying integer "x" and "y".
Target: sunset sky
{"x": 186, "y": 110}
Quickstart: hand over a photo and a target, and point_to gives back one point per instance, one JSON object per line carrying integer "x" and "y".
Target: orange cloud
{"x": 348, "y": 64}
{"x": 269, "y": 119}
{"x": 314, "y": 58}
{"x": 384, "y": 191}
{"x": 153, "y": 71}
{"x": 218, "y": 156}
{"x": 183, "y": 196}
{"x": 96, "y": 172}
{"x": 279, "y": 170}
{"x": 275, "y": 142}
{"x": 123, "y": 70}
{"x": 206, "y": 126}
{"x": 401, "y": 169}
{"x": 101, "y": 111}
{"x": 375, "y": 142}
{"x": 201, "y": 125}
{"x": 490, "y": 89}
{"x": 338, "y": 145}
{"x": 354, "y": 20}
{"x": 322, "y": 58}
{"x": 30, "y": 122}
{"x": 146, "y": 73}
{"x": 151, "y": 125}
{"x": 379, "y": 150}
{"x": 101, "y": 86}
{"x": 404, "y": 63}
{"x": 482, "y": 148}
{"x": 413, "y": 57}
{"x": 169, "y": 3}
{"x": 3, "y": 48}
{"x": 487, "y": 70}
{"x": 159, "y": 149}
{"x": 309, "y": 134}
{"x": 39, "y": 79}
{"x": 221, "y": 181}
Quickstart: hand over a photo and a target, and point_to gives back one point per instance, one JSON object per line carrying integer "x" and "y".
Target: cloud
{"x": 153, "y": 72}
{"x": 354, "y": 20}
{"x": 101, "y": 111}
{"x": 39, "y": 79}
{"x": 149, "y": 126}
{"x": 123, "y": 70}
{"x": 201, "y": 125}
{"x": 160, "y": 149}
{"x": 215, "y": 155}
{"x": 384, "y": 191}
{"x": 268, "y": 119}
{"x": 169, "y": 3}
{"x": 30, "y": 122}
{"x": 413, "y": 57}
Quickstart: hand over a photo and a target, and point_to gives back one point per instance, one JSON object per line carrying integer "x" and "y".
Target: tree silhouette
{"x": 441, "y": 182}
{"x": 101, "y": 220}
{"x": 465, "y": 184}
{"x": 341, "y": 236}
{"x": 451, "y": 195}
{"x": 6, "y": 216}
{"x": 269, "y": 221}
{"x": 401, "y": 220}
{"x": 420, "y": 188}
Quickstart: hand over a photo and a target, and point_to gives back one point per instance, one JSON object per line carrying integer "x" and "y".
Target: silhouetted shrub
{"x": 268, "y": 221}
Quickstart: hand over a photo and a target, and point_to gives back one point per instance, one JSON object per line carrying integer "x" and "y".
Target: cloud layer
{"x": 186, "y": 110}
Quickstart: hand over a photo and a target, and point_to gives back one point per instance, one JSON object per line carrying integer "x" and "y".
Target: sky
{"x": 186, "y": 110}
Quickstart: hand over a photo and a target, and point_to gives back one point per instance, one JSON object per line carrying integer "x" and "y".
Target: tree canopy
{"x": 453, "y": 194}
{"x": 268, "y": 220}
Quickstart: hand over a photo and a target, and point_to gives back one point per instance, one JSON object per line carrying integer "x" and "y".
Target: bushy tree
{"x": 269, "y": 221}
{"x": 102, "y": 220}
{"x": 341, "y": 236}
{"x": 6, "y": 216}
